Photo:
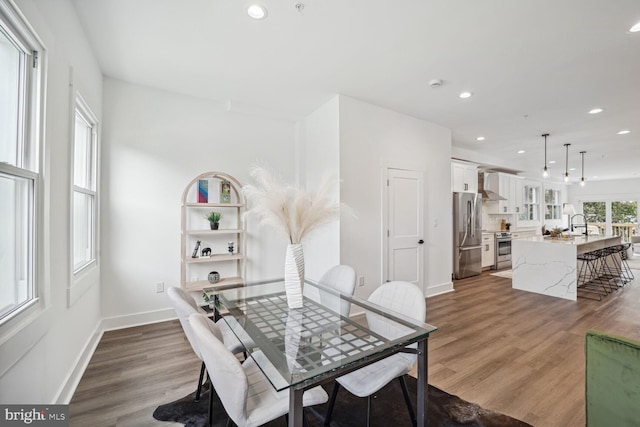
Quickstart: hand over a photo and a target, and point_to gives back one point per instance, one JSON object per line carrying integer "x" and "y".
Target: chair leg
{"x": 407, "y": 400}
{"x": 332, "y": 402}
{"x": 368, "y": 410}
{"x": 202, "y": 369}
{"x": 210, "y": 412}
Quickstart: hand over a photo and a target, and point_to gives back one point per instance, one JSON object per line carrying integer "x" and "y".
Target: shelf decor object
{"x": 212, "y": 226}
{"x": 225, "y": 191}
{"x": 203, "y": 191}
{"x": 297, "y": 213}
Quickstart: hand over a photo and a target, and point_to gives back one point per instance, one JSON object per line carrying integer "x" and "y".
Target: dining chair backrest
{"x": 227, "y": 376}
{"x": 184, "y": 305}
{"x": 402, "y": 297}
{"x": 343, "y": 279}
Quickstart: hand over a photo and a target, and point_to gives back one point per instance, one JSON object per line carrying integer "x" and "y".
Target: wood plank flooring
{"x": 511, "y": 351}
{"x": 521, "y": 353}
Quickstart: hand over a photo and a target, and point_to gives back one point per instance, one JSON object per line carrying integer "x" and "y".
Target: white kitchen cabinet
{"x": 508, "y": 186}
{"x": 464, "y": 178}
{"x": 488, "y": 250}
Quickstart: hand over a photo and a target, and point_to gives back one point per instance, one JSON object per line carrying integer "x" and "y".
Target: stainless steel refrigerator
{"x": 467, "y": 235}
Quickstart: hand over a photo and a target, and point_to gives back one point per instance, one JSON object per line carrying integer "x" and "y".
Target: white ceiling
{"x": 534, "y": 66}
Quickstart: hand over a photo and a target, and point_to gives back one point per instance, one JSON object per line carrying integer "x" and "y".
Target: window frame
{"x": 555, "y": 207}
{"x": 87, "y": 274}
{"x": 30, "y": 315}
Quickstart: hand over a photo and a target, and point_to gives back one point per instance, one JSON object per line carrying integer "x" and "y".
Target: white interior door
{"x": 405, "y": 226}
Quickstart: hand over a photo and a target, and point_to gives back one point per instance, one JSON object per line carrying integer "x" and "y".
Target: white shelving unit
{"x": 194, "y": 227}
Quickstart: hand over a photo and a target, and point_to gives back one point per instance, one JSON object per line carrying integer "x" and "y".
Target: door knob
{"x": 420, "y": 241}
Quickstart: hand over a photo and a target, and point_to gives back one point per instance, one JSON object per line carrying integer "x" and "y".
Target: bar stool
{"x": 589, "y": 279}
{"x": 626, "y": 270}
{"x": 610, "y": 267}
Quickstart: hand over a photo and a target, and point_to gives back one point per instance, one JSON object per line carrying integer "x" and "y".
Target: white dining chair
{"x": 246, "y": 394}
{"x": 185, "y": 305}
{"x": 343, "y": 279}
{"x": 401, "y": 297}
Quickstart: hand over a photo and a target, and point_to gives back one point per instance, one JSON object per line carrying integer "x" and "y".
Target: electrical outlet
{"x": 159, "y": 287}
{"x": 360, "y": 280}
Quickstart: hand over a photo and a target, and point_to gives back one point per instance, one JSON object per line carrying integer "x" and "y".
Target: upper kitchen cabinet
{"x": 508, "y": 186}
{"x": 464, "y": 177}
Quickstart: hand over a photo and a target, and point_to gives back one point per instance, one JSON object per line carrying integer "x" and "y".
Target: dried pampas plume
{"x": 293, "y": 210}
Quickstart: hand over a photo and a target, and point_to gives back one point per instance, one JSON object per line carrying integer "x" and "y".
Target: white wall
{"x": 154, "y": 143}
{"x": 320, "y": 157}
{"x": 613, "y": 190}
{"x": 37, "y": 364}
{"x": 371, "y": 139}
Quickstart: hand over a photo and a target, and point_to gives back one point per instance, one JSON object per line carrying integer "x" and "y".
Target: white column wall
{"x": 39, "y": 363}
{"x": 154, "y": 143}
{"x": 320, "y": 152}
{"x": 372, "y": 138}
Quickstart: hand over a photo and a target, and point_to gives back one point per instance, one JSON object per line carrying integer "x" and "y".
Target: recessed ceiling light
{"x": 551, "y": 162}
{"x": 595, "y": 176}
{"x": 521, "y": 151}
{"x": 635, "y": 28}
{"x": 465, "y": 95}
{"x": 596, "y": 111}
{"x": 480, "y": 138}
{"x": 572, "y": 169}
{"x": 257, "y": 11}
{"x": 624, "y": 132}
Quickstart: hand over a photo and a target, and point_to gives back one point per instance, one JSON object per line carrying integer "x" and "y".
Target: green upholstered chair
{"x": 612, "y": 380}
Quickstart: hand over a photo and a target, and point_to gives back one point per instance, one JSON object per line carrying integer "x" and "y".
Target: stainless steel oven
{"x": 503, "y": 250}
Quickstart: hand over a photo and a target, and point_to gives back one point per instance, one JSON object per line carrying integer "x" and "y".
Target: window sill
{"x": 83, "y": 280}
{"x": 22, "y": 332}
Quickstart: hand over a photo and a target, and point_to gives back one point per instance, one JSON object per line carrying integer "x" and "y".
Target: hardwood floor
{"x": 511, "y": 351}
{"x": 521, "y": 353}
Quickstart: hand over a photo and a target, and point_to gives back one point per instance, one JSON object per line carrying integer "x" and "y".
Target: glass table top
{"x": 303, "y": 346}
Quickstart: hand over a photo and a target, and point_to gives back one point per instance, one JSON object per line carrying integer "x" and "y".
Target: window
{"x": 553, "y": 208}
{"x": 84, "y": 187}
{"x": 624, "y": 219}
{"x": 20, "y": 100}
{"x": 531, "y": 203}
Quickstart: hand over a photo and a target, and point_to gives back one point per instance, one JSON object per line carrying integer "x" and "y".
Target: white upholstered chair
{"x": 185, "y": 305}
{"x": 343, "y": 279}
{"x": 401, "y": 297}
{"x": 244, "y": 391}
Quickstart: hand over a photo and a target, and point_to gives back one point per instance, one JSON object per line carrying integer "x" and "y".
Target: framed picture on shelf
{"x": 225, "y": 191}
{"x": 203, "y": 191}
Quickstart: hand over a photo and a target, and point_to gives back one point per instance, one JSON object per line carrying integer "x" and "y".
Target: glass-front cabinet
{"x": 531, "y": 202}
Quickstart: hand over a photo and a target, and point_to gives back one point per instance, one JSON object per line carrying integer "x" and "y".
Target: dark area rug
{"x": 387, "y": 409}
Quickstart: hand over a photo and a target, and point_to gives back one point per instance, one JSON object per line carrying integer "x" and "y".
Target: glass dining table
{"x": 298, "y": 349}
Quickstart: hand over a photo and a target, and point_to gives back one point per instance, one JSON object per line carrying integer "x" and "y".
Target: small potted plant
{"x": 214, "y": 219}
{"x": 556, "y": 231}
{"x": 508, "y": 225}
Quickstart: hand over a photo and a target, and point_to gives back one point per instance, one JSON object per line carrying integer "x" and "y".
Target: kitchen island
{"x": 550, "y": 266}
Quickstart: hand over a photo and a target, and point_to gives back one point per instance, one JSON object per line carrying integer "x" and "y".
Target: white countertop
{"x": 572, "y": 240}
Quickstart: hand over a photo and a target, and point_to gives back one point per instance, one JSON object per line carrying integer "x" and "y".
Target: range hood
{"x": 487, "y": 194}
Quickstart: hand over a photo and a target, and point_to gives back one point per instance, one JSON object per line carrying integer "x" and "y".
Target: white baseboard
{"x": 65, "y": 393}
{"x": 138, "y": 319}
{"x": 68, "y": 388}
{"x": 439, "y": 289}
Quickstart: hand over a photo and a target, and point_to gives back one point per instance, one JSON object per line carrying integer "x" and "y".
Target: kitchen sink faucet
{"x": 579, "y": 226}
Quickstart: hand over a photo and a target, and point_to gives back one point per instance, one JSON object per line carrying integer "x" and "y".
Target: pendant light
{"x": 582, "y": 182}
{"x": 566, "y": 163}
{"x": 545, "y": 171}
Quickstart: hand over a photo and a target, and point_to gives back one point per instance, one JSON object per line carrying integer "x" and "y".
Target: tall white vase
{"x": 294, "y": 275}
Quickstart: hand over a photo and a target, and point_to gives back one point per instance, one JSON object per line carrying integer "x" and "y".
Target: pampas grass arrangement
{"x": 295, "y": 211}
